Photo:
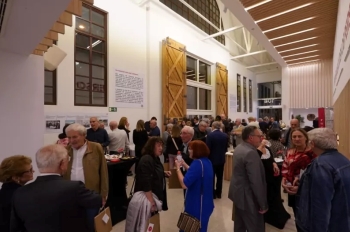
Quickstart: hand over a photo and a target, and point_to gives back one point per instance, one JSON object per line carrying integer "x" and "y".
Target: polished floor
{"x": 220, "y": 220}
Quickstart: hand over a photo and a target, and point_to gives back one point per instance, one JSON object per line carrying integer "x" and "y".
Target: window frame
{"x": 250, "y": 96}
{"x": 245, "y": 101}
{"x": 91, "y": 37}
{"x": 54, "y": 87}
{"x": 239, "y": 93}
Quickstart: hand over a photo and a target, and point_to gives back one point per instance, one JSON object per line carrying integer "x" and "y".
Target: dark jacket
{"x": 217, "y": 144}
{"x": 139, "y": 138}
{"x": 150, "y": 177}
{"x": 185, "y": 154}
{"x": 286, "y": 137}
{"x": 323, "y": 198}
{"x": 170, "y": 146}
{"x": 6, "y": 193}
{"x": 52, "y": 204}
{"x": 98, "y": 136}
{"x": 198, "y": 135}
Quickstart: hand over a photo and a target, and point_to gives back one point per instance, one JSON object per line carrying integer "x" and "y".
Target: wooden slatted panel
{"x": 47, "y": 42}
{"x": 173, "y": 79}
{"x": 221, "y": 89}
{"x": 38, "y": 53}
{"x": 75, "y": 7}
{"x": 66, "y": 19}
{"x": 41, "y": 47}
{"x": 311, "y": 84}
{"x": 58, "y": 27}
{"x": 324, "y": 11}
{"x": 341, "y": 120}
{"x": 52, "y": 35}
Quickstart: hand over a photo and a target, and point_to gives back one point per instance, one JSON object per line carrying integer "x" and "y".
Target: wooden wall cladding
{"x": 341, "y": 120}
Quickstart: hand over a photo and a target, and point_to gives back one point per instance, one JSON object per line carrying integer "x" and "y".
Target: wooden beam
{"x": 75, "y": 7}
{"x": 41, "y": 47}
{"x": 47, "y": 42}
{"x": 89, "y": 1}
{"x": 58, "y": 27}
{"x": 38, "y": 53}
{"x": 52, "y": 35}
{"x": 66, "y": 19}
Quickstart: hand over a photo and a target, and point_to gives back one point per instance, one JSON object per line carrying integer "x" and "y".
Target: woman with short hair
{"x": 15, "y": 171}
{"x": 199, "y": 183}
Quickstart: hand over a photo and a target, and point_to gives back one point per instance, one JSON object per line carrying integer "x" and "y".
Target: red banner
{"x": 321, "y": 118}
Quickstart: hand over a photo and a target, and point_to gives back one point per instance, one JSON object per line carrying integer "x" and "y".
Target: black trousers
{"x": 219, "y": 173}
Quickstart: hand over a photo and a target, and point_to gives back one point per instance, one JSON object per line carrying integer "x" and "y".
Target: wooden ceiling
{"x": 317, "y": 27}
{"x": 66, "y": 19}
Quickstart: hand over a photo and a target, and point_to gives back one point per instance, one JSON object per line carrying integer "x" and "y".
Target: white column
{"x": 22, "y": 120}
{"x": 285, "y": 96}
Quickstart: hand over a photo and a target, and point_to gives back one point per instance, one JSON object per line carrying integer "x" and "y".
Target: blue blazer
{"x": 217, "y": 144}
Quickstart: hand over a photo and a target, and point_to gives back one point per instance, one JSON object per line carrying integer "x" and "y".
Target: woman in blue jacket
{"x": 199, "y": 183}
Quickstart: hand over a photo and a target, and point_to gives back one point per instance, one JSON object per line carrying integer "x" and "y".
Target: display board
{"x": 54, "y": 123}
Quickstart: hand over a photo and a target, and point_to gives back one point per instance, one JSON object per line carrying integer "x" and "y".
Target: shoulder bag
{"x": 187, "y": 222}
{"x": 175, "y": 144}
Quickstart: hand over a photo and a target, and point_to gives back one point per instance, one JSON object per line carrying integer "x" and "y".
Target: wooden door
{"x": 221, "y": 89}
{"x": 173, "y": 80}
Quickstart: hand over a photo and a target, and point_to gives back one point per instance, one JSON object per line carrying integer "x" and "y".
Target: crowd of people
{"x": 73, "y": 181}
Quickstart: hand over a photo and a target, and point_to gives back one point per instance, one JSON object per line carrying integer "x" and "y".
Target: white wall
{"x": 304, "y": 113}
{"x": 341, "y": 48}
{"x": 285, "y": 95}
{"x": 269, "y": 76}
{"x": 22, "y": 105}
{"x": 135, "y": 36}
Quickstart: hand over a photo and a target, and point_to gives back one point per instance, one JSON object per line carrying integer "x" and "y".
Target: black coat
{"x": 140, "y": 139}
{"x": 6, "y": 193}
{"x": 52, "y": 204}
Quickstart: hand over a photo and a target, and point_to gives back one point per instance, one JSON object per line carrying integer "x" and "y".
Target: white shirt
{"x": 49, "y": 174}
{"x": 118, "y": 139}
{"x": 77, "y": 172}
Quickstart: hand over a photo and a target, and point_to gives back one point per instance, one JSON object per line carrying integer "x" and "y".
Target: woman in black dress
{"x": 139, "y": 137}
{"x": 276, "y": 215}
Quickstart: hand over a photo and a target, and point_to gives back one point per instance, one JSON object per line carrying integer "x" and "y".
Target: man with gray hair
{"x": 50, "y": 201}
{"x": 323, "y": 195}
{"x": 87, "y": 163}
{"x": 200, "y": 132}
{"x": 248, "y": 184}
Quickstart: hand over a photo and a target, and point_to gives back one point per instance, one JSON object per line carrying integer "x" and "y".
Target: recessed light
{"x": 312, "y": 45}
{"x": 295, "y": 33}
{"x": 304, "y": 62}
{"x": 284, "y": 12}
{"x": 256, "y": 5}
{"x": 298, "y": 41}
{"x": 81, "y": 26}
{"x": 300, "y": 53}
{"x": 289, "y": 24}
{"x": 306, "y": 57}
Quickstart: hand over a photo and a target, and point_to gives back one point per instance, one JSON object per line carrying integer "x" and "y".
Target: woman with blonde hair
{"x": 124, "y": 125}
{"x": 15, "y": 171}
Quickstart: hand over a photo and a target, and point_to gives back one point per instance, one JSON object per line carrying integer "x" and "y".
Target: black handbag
{"x": 187, "y": 222}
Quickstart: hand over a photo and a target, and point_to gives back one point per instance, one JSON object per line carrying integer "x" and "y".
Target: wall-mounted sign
{"x": 268, "y": 100}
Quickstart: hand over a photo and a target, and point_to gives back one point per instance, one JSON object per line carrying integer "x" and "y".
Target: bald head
{"x": 113, "y": 125}
{"x": 294, "y": 123}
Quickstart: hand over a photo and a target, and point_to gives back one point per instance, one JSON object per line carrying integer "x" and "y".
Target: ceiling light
{"x": 304, "y": 62}
{"x": 284, "y": 12}
{"x": 302, "y": 58}
{"x": 97, "y": 42}
{"x": 256, "y": 5}
{"x": 298, "y": 48}
{"x": 289, "y": 24}
{"x": 295, "y": 33}
{"x": 298, "y": 41}
{"x": 81, "y": 26}
{"x": 300, "y": 53}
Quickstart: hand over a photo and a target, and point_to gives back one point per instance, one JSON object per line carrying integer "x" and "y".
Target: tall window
{"x": 239, "y": 99}
{"x": 50, "y": 87}
{"x": 244, "y": 94}
{"x": 91, "y": 57}
{"x": 269, "y": 93}
{"x": 199, "y": 88}
{"x": 208, "y": 8}
{"x": 250, "y": 97}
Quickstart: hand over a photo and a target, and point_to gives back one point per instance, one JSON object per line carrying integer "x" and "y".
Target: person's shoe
{"x": 130, "y": 173}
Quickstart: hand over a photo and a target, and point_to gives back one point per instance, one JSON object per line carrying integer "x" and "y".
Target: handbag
{"x": 187, "y": 222}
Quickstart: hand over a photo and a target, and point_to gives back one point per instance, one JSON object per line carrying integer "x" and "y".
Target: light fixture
{"x": 284, "y": 12}
{"x": 304, "y": 62}
{"x": 295, "y": 33}
{"x": 298, "y": 48}
{"x": 298, "y": 41}
{"x": 306, "y": 57}
{"x": 300, "y": 53}
{"x": 97, "y": 42}
{"x": 289, "y": 24}
{"x": 256, "y": 5}
{"x": 81, "y": 26}
{"x": 76, "y": 63}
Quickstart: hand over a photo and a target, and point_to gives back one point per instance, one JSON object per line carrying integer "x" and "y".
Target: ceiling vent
{"x": 4, "y": 14}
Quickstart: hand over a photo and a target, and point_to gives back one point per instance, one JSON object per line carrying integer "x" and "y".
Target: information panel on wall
{"x": 54, "y": 123}
{"x": 129, "y": 90}
{"x": 233, "y": 103}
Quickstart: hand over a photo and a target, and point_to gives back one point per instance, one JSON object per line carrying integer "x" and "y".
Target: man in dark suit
{"x": 51, "y": 203}
{"x": 217, "y": 144}
{"x": 248, "y": 184}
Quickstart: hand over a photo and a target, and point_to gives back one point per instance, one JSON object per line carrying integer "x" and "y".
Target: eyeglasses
{"x": 260, "y": 136}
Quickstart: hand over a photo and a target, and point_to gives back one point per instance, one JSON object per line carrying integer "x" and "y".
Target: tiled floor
{"x": 220, "y": 220}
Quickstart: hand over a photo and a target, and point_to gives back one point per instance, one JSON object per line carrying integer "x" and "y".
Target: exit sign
{"x": 112, "y": 109}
